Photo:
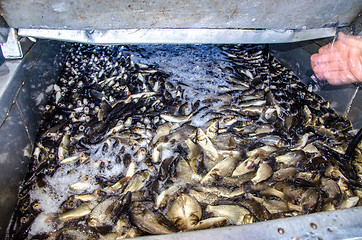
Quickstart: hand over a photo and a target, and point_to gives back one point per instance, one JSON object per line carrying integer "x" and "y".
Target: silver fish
{"x": 79, "y": 212}
{"x": 185, "y": 212}
{"x": 150, "y": 221}
{"x": 264, "y": 172}
{"x": 224, "y": 168}
{"x": 235, "y": 214}
{"x": 207, "y": 147}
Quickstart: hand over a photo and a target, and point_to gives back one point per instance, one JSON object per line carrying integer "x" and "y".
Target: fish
{"x": 222, "y": 192}
{"x": 284, "y": 173}
{"x": 165, "y": 195}
{"x": 276, "y": 206}
{"x": 137, "y": 181}
{"x": 225, "y": 141}
{"x": 224, "y": 168}
{"x": 330, "y": 187}
{"x": 159, "y": 152}
{"x": 74, "y": 233}
{"x": 210, "y": 223}
{"x": 212, "y": 130}
{"x": 69, "y": 159}
{"x": 291, "y": 158}
{"x": 87, "y": 197}
{"x": 207, "y": 198}
{"x": 248, "y": 165}
{"x": 349, "y": 202}
{"x": 123, "y": 229}
{"x": 63, "y": 147}
{"x": 235, "y": 214}
{"x": 185, "y": 212}
{"x": 194, "y": 155}
{"x": 174, "y": 119}
{"x": 108, "y": 210}
{"x": 264, "y": 172}
{"x": 207, "y": 147}
{"x": 308, "y": 200}
{"x": 80, "y": 186}
{"x": 152, "y": 222}
{"x": 79, "y": 212}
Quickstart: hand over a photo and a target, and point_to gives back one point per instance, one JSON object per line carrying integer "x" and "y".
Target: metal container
{"x": 165, "y": 21}
{"x": 24, "y": 82}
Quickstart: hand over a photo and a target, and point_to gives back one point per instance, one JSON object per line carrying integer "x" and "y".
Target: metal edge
{"x": 339, "y": 224}
{"x": 11, "y": 49}
{"x": 179, "y": 36}
{"x": 4, "y": 30}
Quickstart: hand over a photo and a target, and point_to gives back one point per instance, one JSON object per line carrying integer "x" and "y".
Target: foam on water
{"x": 41, "y": 224}
{"x": 199, "y": 68}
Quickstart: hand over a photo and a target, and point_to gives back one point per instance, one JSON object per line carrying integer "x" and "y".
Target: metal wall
{"x": 21, "y": 97}
{"x": 145, "y": 14}
{"x": 333, "y": 225}
{"x": 22, "y": 93}
{"x": 25, "y": 91}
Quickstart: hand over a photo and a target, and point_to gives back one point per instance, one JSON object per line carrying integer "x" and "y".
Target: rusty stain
{"x": 235, "y": 12}
{"x": 313, "y": 225}
{"x": 281, "y": 230}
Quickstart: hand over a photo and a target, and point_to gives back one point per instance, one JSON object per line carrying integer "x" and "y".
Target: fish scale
{"x": 212, "y": 125}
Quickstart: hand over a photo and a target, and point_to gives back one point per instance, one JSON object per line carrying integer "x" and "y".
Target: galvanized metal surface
{"x": 341, "y": 224}
{"x": 179, "y": 36}
{"x": 355, "y": 110}
{"x": 144, "y": 14}
{"x": 2, "y": 59}
{"x": 27, "y": 92}
{"x": 4, "y": 30}
{"x": 13, "y": 165}
{"x": 9, "y": 87}
{"x": 11, "y": 49}
{"x": 23, "y": 90}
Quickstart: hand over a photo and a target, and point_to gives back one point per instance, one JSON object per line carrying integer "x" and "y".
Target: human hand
{"x": 339, "y": 62}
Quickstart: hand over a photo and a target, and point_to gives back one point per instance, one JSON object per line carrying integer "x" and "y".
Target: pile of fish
{"x": 125, "y": 150}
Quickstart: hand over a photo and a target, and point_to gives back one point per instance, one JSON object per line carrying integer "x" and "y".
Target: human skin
{"x": 339, "y": 62}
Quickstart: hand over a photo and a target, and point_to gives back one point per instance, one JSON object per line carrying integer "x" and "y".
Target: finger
{"x": 331, "y": 56}
{"x": 319, "y": 75}
{"x": 325, "y": 48}
{"x": 353, "y": 41}
{"x": 337, "y": 46}
{"x": 339, "y": 77}
{"x": 355, "y": 64}
{"x": 341, "y": 36}
{"x": 313, "y": 59}
{"x": 331, "y": 66}
{"x": 355, "y": 59}
{"x": 314, "y": 64}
